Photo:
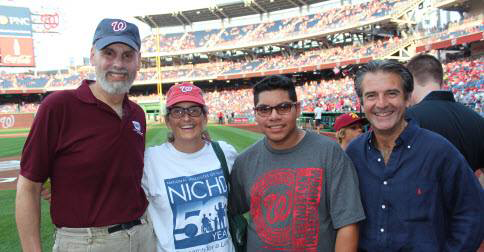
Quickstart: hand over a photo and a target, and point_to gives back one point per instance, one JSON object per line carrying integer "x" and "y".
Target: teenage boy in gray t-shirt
{"x": 300, "y": 188}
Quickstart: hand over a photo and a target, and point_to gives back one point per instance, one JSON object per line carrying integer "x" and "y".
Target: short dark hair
{"x": 274, "y": 82}
{"x": 386, "y": 66}
{"x": 426, "y": 68}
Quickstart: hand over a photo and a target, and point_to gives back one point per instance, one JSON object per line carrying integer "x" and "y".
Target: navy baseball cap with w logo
{"x": 111, "y": 31}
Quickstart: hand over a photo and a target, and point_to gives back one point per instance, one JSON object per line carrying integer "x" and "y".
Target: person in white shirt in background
{"x": 184, "y": 181}
{"x": 318, "y": 112}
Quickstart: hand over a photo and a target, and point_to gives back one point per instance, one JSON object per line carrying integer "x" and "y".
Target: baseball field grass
{"x": 156, "y": 134}
{"x": 14, "y": 131}
{"x": 11, "y": 146}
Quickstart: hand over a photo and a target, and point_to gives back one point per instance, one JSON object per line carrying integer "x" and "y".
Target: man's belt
{"x": 124, "y": 226}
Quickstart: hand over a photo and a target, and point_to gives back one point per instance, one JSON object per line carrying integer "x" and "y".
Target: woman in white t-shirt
{"x": 184, "y": 181}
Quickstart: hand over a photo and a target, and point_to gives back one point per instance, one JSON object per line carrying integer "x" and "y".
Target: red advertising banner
{"x": 451, "y": 42}
{"x": 16, "y": 51}
{"x": 241, "y": 120}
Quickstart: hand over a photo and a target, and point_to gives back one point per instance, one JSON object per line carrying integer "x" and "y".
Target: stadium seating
{"x": 313, "y": 57}
{"x": 267, "y": 32}
{"x": 31, "y": 81}
{"x": 19, "y": 108}
{"x": 6, "y": 81}
{"x": 469, "y": 25}
{"x": 465, "y": 77}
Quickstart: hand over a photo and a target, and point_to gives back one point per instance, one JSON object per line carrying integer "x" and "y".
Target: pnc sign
{"x": 15, "y": 21}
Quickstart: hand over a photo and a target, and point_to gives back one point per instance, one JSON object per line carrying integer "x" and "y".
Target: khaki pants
{"x": 139, "y": 238}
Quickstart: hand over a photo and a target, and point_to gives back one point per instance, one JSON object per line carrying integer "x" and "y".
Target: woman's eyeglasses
{"x": 179, "y": 112}
{"x": 281, "y": 109}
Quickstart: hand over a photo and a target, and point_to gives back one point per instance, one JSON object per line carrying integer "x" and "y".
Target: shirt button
{"x": 382, "y": 230}
{"x": 385, "y": 182}
{"x": 383, "y": 206}
{"x": 379, "y": 159}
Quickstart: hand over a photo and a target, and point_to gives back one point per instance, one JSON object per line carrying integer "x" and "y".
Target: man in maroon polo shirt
{"x": 90, "y": 143}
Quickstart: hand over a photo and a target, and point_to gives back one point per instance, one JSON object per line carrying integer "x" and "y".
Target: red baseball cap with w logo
{"x": 184, "y": 92}
{"x": 110, "y": 31}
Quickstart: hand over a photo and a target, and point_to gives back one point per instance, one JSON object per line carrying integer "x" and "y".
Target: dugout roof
{"x": 222, "y": 11}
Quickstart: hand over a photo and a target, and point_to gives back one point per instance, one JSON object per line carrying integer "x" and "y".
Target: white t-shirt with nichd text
{"x": 187, "y": 193}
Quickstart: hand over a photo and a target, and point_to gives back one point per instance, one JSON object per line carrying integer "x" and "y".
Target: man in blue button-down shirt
{"x": 418, "y": 191}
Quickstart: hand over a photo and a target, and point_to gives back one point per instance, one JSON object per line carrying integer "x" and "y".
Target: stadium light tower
{"x": 159, "y": 85}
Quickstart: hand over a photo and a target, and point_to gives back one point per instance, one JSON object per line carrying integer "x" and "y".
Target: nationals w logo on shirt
{"x": 285, "y": 205}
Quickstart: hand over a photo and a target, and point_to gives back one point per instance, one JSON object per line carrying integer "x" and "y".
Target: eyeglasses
{"x": 281, "y": 109}
{"x": 179, "y": 112}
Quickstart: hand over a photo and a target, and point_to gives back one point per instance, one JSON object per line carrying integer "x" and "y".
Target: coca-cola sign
{"x": 16, "y": 51}
{"x": 20, "y": 59}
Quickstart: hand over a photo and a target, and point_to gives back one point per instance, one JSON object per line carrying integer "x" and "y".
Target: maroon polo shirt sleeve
{"x": 41, "y": 144}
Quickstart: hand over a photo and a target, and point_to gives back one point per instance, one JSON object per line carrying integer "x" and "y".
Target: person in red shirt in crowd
{"x": 90, "y": 143}
{"x": 220, "y": 117}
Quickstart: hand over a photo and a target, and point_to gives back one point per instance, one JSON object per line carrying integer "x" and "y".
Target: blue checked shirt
{"x": 425, "y": 198}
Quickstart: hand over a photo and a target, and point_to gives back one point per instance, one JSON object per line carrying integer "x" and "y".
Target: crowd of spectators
{"x": 19, "y": 107}
{"x": 71, "y": 80}
{"x": 274, "y": 62}
{"x": 263, "y": 33}
{"x": 212, "y": 70}
{"x": 465, "y": 77}
{"x": 452, "y": 30}
{"x": 44, "y": 81}
{"x": 7, "y": 81}
{"x": 335, "y": 95}
{"x": 309, "y": 25}
{"x": 31, "y": 81}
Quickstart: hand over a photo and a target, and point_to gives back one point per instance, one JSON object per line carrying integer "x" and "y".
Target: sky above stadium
{"x": 79, "y": 18}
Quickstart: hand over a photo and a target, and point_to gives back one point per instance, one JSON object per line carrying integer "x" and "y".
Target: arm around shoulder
{"x": 27, "y": 213}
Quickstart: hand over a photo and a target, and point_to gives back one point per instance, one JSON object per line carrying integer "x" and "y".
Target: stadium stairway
{"x": 402, "y": 51}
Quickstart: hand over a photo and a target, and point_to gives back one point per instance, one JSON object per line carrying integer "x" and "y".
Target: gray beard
{"x": 114, "y": 87}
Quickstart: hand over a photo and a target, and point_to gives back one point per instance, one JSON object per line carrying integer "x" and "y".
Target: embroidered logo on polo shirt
{"x": 137, "y": 128}
{"x": 419, "y": 191}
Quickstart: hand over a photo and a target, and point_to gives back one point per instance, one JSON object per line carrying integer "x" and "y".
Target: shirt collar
{"x": 84, "y": 93}
{"x": 440, "y": 95}
{"x": 405, "y": 137}
{"x": 284, "y": 151}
